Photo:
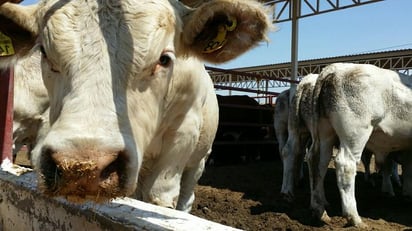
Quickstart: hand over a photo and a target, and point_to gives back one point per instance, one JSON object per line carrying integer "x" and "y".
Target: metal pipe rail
{"x": 6, "y": 113}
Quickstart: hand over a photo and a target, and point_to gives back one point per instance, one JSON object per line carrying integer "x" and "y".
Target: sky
{"x": 372, "y": 27}
{"x": 369, "y": 28}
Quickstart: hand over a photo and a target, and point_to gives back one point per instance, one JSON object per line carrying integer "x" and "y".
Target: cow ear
{"x": 220, "y": 30}
{"x": 17, "y": 32}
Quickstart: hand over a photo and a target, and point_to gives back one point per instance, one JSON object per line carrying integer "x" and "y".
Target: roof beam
{"x": 272, "y": 76}
{"x": 283, "y": 8}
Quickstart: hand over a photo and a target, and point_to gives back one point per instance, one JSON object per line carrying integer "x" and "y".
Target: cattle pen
{"x": 21, "y": 202}
{"x": 242, "y": 193}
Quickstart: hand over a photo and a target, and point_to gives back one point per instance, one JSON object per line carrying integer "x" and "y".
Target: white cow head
{"x": 108, "y": 66}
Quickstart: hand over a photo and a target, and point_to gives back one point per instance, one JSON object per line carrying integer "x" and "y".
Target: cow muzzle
{"x": 83, "y": 174}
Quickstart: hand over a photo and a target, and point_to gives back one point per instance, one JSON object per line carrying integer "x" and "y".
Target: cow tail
{"x": 314, "y": 151}
{"x": 316, "y": 107}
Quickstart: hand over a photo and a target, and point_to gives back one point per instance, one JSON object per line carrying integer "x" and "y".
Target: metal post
{"x": 230, "y": 83}
{"x": 266, "y": 89}
{"x": 295, "y": 40}
{"x": 6, "y": 113}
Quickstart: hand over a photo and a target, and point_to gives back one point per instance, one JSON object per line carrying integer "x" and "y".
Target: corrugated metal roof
{"x": 347, "y": 58}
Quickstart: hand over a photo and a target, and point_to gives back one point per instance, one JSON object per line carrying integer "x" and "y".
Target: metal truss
{"x": 263, "y": 79}
{"x": 270, "y": 77}
{"x": 283, "y": 8}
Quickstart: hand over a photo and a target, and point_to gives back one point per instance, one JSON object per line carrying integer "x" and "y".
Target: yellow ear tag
{"x": 6, "y": 46}
{"x": 220, "y": 40}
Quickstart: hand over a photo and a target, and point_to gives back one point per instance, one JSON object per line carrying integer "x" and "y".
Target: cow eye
{"x": 165, "y": 60}
{"x": 43, "y": 52}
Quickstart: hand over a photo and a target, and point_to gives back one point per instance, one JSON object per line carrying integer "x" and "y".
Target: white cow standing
{"x": 362, "y": 106}
{"x": 291, "y": 127}
{"x": 293, "y": 135}
{"x": 131, "y": 106}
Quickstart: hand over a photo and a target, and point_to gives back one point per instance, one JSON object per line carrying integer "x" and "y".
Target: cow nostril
{"x": 115, "y": 171}
{"x": 49, "y": 171}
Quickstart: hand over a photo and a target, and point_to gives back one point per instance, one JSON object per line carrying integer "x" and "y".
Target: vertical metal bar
{"x": 6, "y": 113}
{"x": 230, "y": 83}
{"x": 295, "y": 41}
{"x": 266, "y": 89}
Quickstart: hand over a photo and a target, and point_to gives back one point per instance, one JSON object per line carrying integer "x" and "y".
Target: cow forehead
{"x": 103, "y": 11}
{"x": 145, "y": 27}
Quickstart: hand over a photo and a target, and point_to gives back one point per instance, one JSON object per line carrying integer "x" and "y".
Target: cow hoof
{"x": 360, "y": 225}
{"x": 320, "y": 218}
{"x": 316, "y": 221}
{"x": 325, "y": 217}
{"x": 287, "y": 198}
{"x": 356, "y": 222}
{"x": 285, "y": 201}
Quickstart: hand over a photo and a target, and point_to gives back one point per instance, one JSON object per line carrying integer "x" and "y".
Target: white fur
{"x": 30, "y": 103}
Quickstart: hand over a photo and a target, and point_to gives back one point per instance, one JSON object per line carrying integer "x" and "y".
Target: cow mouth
{"x": 82, "y": 180}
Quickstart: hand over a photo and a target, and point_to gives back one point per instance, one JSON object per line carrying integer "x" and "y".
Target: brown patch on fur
{"x": 329, "y": 94}
{"x": 343, "y": 91}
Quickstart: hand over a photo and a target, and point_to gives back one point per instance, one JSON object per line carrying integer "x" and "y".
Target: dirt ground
{"x": 246, "y": 196}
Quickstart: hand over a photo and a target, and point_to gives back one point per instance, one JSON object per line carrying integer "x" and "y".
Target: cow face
{"x": 109, "y": 67}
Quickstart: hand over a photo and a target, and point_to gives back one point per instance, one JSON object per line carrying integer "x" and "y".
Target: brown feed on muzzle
{"x": 81, "y": 178}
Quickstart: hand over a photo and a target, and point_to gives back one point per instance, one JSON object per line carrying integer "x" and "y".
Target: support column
{"x": 295, "y": 42}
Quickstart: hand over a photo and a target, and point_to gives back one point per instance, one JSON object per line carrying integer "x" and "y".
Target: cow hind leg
{"x": 395, "y": 174}
{"x": 387, "y": 169}
{"x": 292, "y": 159}
{"x": 345, "y": 174}
{"x": 319, "y": 157}
{"x": 353, "y": 134}
{"x": 366, "y": 161}
{"x": 349, "y": 154}
{"x": 288, "y": 155}
{"x": 407, "y": 177}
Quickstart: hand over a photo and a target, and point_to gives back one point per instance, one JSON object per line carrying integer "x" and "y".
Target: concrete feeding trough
{"x": 23, "y": 207}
